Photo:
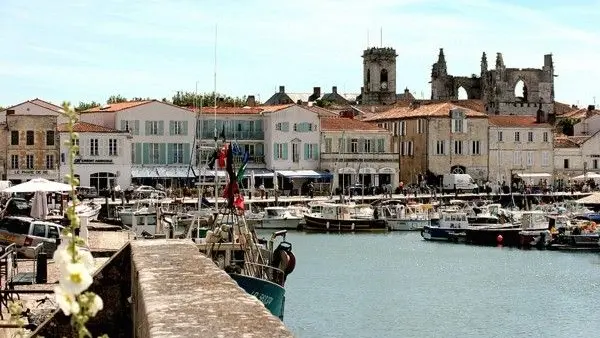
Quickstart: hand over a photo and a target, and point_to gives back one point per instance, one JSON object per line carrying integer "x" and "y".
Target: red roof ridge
{"x": 86, "y": 127}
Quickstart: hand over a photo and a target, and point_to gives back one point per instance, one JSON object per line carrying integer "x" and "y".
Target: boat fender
{"x": 327, "y": 225}
{"x": 284, "y": 259}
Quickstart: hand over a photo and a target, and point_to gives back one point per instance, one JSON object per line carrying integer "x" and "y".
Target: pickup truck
{"x": 27, "y": 233}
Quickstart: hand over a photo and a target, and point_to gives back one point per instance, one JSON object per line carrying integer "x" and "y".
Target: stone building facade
{"x": 496, "y": 87}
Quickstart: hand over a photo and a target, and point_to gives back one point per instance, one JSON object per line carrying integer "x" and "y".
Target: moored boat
{"x": 345, "y": 218}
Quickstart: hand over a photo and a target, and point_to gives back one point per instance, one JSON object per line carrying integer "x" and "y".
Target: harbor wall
{"x": 167, "y": 288}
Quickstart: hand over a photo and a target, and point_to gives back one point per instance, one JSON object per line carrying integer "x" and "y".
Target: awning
{"x": 211, "y": 173}
{"x": 304, "y": 173}
{"x": 258, "y": 172}
{"x": 162, "y": 172}
{"x": 533, "y": 175}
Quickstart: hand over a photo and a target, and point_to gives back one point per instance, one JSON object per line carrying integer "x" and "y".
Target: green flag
{"x": 240, "y": 173}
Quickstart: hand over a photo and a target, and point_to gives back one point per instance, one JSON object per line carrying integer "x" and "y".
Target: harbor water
{"x": 397, "y": 285}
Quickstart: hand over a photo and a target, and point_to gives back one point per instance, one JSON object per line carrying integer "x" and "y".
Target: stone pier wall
{"x": 177, "y": 292}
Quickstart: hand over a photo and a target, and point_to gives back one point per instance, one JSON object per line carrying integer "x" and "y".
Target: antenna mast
{"x": 215, "y": 119}
{"x": 381, "y": 37}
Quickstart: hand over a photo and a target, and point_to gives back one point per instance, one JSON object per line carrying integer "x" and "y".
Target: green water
{"x": 397, "y": 285}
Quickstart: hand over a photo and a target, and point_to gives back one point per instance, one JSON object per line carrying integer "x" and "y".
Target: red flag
{"x": 239, "y": 202}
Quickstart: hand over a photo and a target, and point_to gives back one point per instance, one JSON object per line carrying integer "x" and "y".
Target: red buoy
{"x": 499, "y": 239}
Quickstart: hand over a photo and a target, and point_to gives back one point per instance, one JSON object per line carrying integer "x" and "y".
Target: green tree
{"x": 116, "y": 99}
{"x": 86, "y": 105}
{"x": 190, "y": 99}
{"x": 565, "y": 126}
{"x": 141, "y": 99}
{"x": 323, "y": 103}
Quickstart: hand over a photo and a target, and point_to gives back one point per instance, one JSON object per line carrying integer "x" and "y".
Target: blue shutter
{"x": 161, "y": 127}
{"x": 122, "y": 124}
{"x": 147, "y": 128}
{"x": 171, "y": 127}
{"x": 316, "y": 151}
{"x": 285, "y": 151}
{"x": 136, "y": 127}
{"x": 275, "y": 151}
{"x": 145, "y": 153}
{"x": 306, "y": 151}
{"x": 186, "y": 153}
{"x": 162, "y": 152}
{"x": 285, "y": 126}
{"x": 138, "y": 154}
{"x": 170, "y": 153}
{"x": 185, "y": 128}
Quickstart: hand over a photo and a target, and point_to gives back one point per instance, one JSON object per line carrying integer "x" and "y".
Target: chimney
{"x": 591, "y": 107}
{"x": 250, "y": 101}
{"x": 334, "y": 89}
{"x": 317, "y": 91}
{"x": 282, "y": 89}
{"x": 406, "y": 91}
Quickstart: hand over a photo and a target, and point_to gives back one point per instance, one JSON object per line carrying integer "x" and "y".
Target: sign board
{"x": 92, "y": 161}
{"x": 386, "y": 171}
{"x": 32, "y": 172}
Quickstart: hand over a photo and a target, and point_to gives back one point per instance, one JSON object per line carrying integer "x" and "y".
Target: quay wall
{"x": 167, "y": 288}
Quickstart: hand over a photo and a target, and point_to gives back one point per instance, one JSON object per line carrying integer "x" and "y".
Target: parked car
{"x": 27, "y": 233}
{"x": 17, "y": 206}
{"x": 87, "y": 192}
{"x": 146, "y": 191}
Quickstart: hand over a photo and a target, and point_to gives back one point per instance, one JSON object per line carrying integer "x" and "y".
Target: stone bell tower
{"x": 379, "y": 76}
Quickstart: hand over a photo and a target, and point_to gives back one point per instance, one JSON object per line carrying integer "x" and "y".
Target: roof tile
{"x": 515, "y": 121}
{"x": 84, "y": 127}
{"x": 424, "y": 110}
{"x": 344, "y": 123}
{"x": 115, "y": 107}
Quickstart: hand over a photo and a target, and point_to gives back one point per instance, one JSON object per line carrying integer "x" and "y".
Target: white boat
{"x": 280, "y": 218}
{"x": 90, "y": 210}
{"x": 412, "y": 217}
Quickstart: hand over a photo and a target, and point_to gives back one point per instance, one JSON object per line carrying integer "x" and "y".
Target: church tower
{"x": 379, "y": 76}
{"x": 441, "y": 86}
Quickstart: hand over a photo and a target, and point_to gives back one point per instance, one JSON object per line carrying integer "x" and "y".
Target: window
{"x": 279, "y": 151}
{"x": 179, "y": 128}
{"x": 39, "y": 230}
{"x": 341, "y": 147}
{"x": 53, "y": 232}
{"x": 178, "y": 153}
{"x": 402, "y": 128}
{"x": 457, "y": 125}
{"x": 545, "y": 159}
{"x": 76, "y": 142}
{"x": 310, "y": 126}
{"x": 595, "y": 164}
{"x": 49, "y": 162}
{"x": 154, "y": 153}
{"x": 411, "y": 148}
{"x": 14, "y": 161}
{"x": 112, "y": 147}
{"x": 14, "y": 138}
{"x": 133, "y": 126}
{"x": 475, "y": 148}
{"x": 440, "y": 147}
{"x": 566, "y": 163}
{"x": 310, "y": 151}
{"x": 517, "y": 136}
{"x": 500, "y": 136}
{"x": 50, "y": 137}
{"x": 380, "y": 145}
{"x": 29, "y": 161}
{"x": 545, "y": 136}
{"x": 354, "y": 145}
{"x": 327, "y": 145}
{"x": 295, "y": 127}
{"x": 530, "y": 158}
{"x": 530, "y": 136}
{"x": 30, "y": 138}
{"x": 516, "y": 158}
{"x": 420, "y": 126}
{"x": 153, "y": 127}
{"x": 94, "y": 147}
{"x": 458, "y": 147}
{"x": 367, "y": 146}
{"x": 395, "y": 128}
{"x": 404, "y": 149}
{"x": 278, "y": 126}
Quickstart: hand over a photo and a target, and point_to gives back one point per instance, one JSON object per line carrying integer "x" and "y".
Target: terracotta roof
{"x": 231, "y": 110}
{"x": 514, "y": 121}
{"x": 562, "y": 108}
{"x": 115, "y": 107}
{"x": 343, "y": 123}
{"x": 275, "y": 108}
{"x": 564, "y": 142}
{"x": 323, "y": 112}
{"x": 580, "y": 113}
{"x": 424, "y": 110}
{"x": 40, "y": 103}
{"x": 84, "y": 127}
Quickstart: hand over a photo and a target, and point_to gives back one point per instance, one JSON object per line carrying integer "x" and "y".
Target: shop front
{"x": 23, "y": 175}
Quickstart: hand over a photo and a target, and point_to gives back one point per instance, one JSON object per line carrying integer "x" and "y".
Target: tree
{"x": 86, "y": 105}
{"x": 141, "y": 99}
{"x": 190, "y": 99}
{"x": 565, "y": 126}
{"x": 116, "y": 99}
{"x": 323, "y": 103}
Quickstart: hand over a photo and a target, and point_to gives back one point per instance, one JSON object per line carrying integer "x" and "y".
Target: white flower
{"x": 75, "y": 278}
{"x": 62, "y": 257}
{"x": 95, "y": 305}
{"x": 85, "y": 257}
{"x": 66, "y": 301}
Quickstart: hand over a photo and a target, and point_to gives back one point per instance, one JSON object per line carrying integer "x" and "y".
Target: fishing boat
{"x": 450, "y": 224}
{"x": 410, "y": 217}
{"x": 345, "y": 218}
{"x": 280, "y": 218}
{"x": 259, "y": 266}
{"x": 90, "y": 210}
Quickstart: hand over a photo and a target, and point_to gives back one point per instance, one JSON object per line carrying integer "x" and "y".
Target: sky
{"x": 84, "y": 50}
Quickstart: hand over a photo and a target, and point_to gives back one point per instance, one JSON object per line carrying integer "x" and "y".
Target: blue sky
{"x": 83, "y": 50}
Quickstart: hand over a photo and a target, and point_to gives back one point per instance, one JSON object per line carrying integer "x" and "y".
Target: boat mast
{"x": 215, "y": 124}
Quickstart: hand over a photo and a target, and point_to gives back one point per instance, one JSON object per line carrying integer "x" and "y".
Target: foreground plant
{"x": 75, "y": 262}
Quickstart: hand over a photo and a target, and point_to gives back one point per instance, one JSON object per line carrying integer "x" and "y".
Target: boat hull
{"x": 289, "y": 224}
{"x": 335, "y": 225}
{"x": 436, "y": 233}
{"x": 270, "y": 294}
{"x": 407, "y": 224}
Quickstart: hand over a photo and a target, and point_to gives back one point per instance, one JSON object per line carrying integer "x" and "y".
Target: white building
{"x": 292, "y": 139}
{"x": 357, "y": 152}
{"x": 104, "y": 157}
{"x": 162, "y": 138}
{"x": 522, "y": 146}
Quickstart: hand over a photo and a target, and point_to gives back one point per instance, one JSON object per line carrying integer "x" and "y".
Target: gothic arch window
{"x": 462, "y": 93}
{"x": 383, "y": 78}
{"x": 521, "y": 92}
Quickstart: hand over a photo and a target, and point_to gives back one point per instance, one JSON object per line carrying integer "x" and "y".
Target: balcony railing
{"x": 359, "y": 157}
{"x": 239, "y": 135}
{"x": 251, "y": 159}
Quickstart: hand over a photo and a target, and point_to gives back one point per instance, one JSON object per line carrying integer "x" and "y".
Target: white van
{"x": 460, "y": 182}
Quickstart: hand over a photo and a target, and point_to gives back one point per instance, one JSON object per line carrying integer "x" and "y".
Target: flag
{"x": 241, "y": 172}
{"x": 213, "y": 159}
{"x": 239, "y": 202}
{"x": 222, "y": 155}
{"x": 245, "y": 158}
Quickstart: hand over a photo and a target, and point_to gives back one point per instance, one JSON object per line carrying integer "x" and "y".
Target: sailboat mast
{"x": 215, "y": 124}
